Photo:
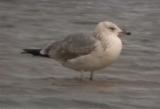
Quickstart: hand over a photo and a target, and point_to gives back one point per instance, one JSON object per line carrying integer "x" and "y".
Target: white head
{"x": 109, "y": 28}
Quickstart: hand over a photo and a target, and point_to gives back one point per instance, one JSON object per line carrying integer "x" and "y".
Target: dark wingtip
{"x": 34, "y": 52}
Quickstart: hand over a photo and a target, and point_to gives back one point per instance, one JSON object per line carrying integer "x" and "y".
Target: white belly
{"x": 98, "y": 59}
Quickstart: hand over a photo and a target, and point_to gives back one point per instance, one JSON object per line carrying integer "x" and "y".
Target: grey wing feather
{"x": 71, "y": 47}
{"x": 79, "y": 43}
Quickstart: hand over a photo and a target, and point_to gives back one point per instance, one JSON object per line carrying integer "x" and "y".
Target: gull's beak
{"x": 127, "y": 32}
{"x": 124, "y": 32}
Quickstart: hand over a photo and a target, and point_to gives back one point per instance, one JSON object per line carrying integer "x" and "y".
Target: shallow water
{"x": 28, "y": 82}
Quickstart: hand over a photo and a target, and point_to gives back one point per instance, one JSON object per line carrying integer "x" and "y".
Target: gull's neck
{"x": 107, "y": 39}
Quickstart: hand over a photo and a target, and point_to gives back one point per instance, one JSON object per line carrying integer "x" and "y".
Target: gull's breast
{"x": 113, "y": 51}
{"x": 104, "y": 57}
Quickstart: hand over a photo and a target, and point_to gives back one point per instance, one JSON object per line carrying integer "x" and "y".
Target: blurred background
{"x": 27, "y": 82}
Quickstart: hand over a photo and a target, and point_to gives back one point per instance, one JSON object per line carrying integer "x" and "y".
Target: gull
{"x": 86, "y": 52}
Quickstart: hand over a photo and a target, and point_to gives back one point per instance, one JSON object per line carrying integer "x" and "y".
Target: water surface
{"x": 28, "y": 82}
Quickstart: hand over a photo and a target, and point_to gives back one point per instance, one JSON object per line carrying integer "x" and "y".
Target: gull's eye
{"x": 112, "y": 28}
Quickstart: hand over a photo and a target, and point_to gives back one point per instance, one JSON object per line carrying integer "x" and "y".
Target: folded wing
{"x": 71, "y": 47}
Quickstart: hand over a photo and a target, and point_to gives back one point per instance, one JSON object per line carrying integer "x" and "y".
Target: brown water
{"x": 28, "y": 82}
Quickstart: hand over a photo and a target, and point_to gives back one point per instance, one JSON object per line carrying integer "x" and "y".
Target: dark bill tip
{"x": 128, "y": 33}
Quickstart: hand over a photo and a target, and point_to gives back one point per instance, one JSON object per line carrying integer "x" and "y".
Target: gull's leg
{"x": 81, "y": 75}
{"x": 91, "y": 75}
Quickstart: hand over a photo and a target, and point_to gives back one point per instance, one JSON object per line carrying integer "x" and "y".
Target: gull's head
{"x": 109, "y": 28}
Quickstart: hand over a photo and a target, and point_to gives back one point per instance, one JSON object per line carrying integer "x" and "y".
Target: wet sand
{"x": 28, "y": 82}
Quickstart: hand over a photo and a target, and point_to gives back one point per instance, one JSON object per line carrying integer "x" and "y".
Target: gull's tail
{"x": 34, "y": 52}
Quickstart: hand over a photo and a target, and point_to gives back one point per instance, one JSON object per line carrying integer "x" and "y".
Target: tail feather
{"x": 34, "y": 52}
